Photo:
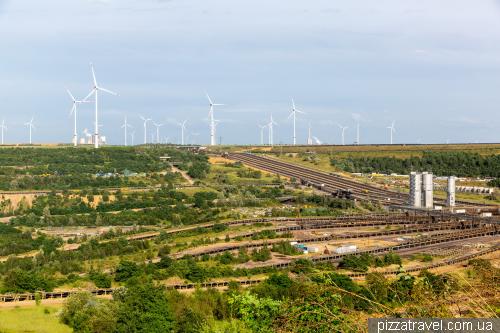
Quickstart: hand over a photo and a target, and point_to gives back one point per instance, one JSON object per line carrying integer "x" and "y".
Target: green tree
{"x": 145, "y": 308}
{"x": 85, "y": 312}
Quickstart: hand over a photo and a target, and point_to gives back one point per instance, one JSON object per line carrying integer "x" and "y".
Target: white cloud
{"x": 358, "y": 117}
{"x": 327, "y": 122}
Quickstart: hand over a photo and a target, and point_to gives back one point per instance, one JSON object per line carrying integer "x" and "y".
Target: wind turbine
{"x": 271, "y": 130}
{"x": 125, "y": 125}
{"x": 152, "y": 137}
{"x": 31, "y": 125}
{"x": 183, "y": 128}
{"x": 392, "y": 129}
{"x": 166, "y": 140}
{"x": 293, "y": 114}
{"x": 194, "y": 137}
{"x": 343, "y": 129}
{"x": 95, "y": 91}
{"x": 158, "y": 131}
{"x": 74, "y": 109}
{"x": 358, "y": 132}
{"x": 132, "y": 134}
{"x": 213, "y": 122}
{"x": 3, "y": 126}
{"x": 144, "y": 128}
{"x": 418, "y": 141}
{"x": 447, "y": 141}
{"x": 262, "y": 133}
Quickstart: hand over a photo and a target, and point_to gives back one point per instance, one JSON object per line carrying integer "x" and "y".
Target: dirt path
{"x": 189, "y": 179}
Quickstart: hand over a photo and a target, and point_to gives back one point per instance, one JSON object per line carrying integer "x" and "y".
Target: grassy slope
{"x": 31, "y": 319}
{"x": 401, "y": 151}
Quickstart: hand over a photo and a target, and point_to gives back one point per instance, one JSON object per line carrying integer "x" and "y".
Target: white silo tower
{"x": 450, "y": 192}
{"x": 415, "y": 189}
{"x": 427, "y": 187}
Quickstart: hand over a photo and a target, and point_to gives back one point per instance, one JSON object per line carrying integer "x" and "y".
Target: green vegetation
{"x": 40, "y": 319}
{"x": 459, "y": 163}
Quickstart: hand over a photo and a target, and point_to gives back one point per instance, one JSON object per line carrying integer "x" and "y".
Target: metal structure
{"x": 415, "y": 189}
{"x": 392, "y": 129}
{"x": 123, "y": 126}
{"x": 96, "y": 88}
{"x": 343, "y": 129}
{"x": 75, "y": 139}
{"x": 294, "y": 111}
{"x": 450, "y": 192}
{"x": 427, "y": 189}
{"x": 3, "y": 126}
{"x": 213, "y": 122}
{"x": 31, "y": 126}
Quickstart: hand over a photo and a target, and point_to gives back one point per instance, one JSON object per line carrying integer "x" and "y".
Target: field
{"x": 341, "y": 152}
{"x": 32, "y": 319}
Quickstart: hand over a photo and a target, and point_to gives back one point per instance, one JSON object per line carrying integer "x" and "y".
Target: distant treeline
{"x": 458, "y": 163}
{"x": 73, "y": 161}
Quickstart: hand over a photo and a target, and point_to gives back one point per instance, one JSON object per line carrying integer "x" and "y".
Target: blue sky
{"x": 433, "y": 66}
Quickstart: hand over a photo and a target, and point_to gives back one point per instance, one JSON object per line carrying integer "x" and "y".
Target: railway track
{"x": 333, "y": 183}
{"x": 317, "y": 178}
{"x": 7, "y": 298}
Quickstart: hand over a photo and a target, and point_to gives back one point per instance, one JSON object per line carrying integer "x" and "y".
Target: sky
{"x": 433, "y": 67}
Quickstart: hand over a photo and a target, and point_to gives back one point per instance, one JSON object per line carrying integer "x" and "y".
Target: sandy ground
{"x": 189, "y": 179}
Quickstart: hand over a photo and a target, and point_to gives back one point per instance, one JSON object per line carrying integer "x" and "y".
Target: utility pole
{"x": 220, "y": 143}
{"x": 281, "y": 146}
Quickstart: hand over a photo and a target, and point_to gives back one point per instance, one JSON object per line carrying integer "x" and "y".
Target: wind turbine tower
{"x": 74, "y": 109}
{"x": 3, "y": 126}
{"x": 262, "y": 133}
{"x": 343, "y": 129}
{"x": 125, "y": 125}
{"x": 132, "y": 134}
{"x": 96, "y": 88}
{"x": 392, "y": 129}
{"x": 183, "y": 129}
{"x": 271, "y": 130}
{"x": 357, "y": 138}
{"x": 152, "y": 137}
{"x": 194, "y": 142}
{"x": 158, "y": 131}
{"x": 31, "y": 125}
{"x": 144, "y": 128}
{"x": 213, "y": 122}
{"x": 293, "y": 114}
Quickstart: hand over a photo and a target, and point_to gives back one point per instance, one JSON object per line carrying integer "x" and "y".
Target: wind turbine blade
{"x": 141, "y": 117}
{"x": 95, "y": 82}
{"x": 33, "y": 127}
{"x": 93, "y": 90}
{"x": 292, "y": 104}
{"x": 110, "y": 92}
{"x": 219, "y": 104}
{"x": 208, "y": 97}
{"x": 290, "y": 116}
{"x": 339, "y": 125}
{"x": 69, "y": 93}
{"x": 72, "y": 109}
{"x": 301, "y": 112}
{"x": 275, "y": 123}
